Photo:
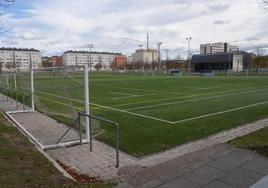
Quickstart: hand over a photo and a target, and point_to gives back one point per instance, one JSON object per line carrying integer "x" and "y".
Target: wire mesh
{"x": 15, "y": 86}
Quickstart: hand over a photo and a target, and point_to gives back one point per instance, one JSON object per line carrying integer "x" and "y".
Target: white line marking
{"x": 162, "y": 120}
{"x": 59, "y": 102}
{"x": 110, "y": 108}
{"x": 157, "y": 91}
{"x": 132, "y": 113}
{"x": 119, "y": 93}
{"x": 79, "y": 101}
{"x": 189, "y": 87}
{"x": 195, "y": 88}
{"x": 132, "y": 96}
{"x": 183, "y": 97}
{"x": 222, "y": 112}
{"x": 194, "y": 100}
{"x": 206, "y": 88}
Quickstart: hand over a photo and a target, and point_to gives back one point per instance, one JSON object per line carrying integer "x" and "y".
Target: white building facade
{"x": 146, "y": 56}
{"x": 78, "y": 58}
{"x": 220, "y": 47}
{"x": 238, "y": 62}
{"x": 19, "y": 58}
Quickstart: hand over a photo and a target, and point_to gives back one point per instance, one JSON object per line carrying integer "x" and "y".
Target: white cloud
{"x": 55, "y": 26}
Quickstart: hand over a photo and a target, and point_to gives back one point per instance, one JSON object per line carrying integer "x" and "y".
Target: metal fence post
{"x": 23, "y": 102}
{"x": 11, "y": 99}
{"x": 32, "y": 87}
{"x": 90, "y": 132}
{"x": 79, "y": 123}
{"x": 117, "y": 144}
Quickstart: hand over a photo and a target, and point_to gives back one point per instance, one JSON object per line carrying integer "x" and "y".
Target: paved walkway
{"x": 45, "y": 129}
{"x": 101, "y": 162}
{"x": 10, "y": 105}
{"x": 219, "y": 166}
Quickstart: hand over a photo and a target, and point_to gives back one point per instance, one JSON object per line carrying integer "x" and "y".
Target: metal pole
{"x": 90, "y": 46}
{"x": 15, "y": 82}
{"x": 7, "y": 81}
{"x": 117, "y": 144}
{"x": 11, "y": 96}
{"x": 80, "y": 133}
{"x": 229, "y": 64}
{"x": 159, "y": 53}
{"x": 23, "y": 102}
{"x": 32, "y": 82}
{"x": 86, "y": 85}
{"x": 189, "y": 52}
{"x": 90, "y": 132}
{"x": 16, "y": 98}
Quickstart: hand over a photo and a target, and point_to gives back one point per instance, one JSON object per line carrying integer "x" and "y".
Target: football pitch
{"x": 156, "y": 113}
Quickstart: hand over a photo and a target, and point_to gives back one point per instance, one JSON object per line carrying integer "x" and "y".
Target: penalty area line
{"x": 107, "y": 107}
{"x": 197, "y": 99}
{"x": 184, "y": 97}
{"x": 132, "y": 113}
{"x": 221, "y": 112}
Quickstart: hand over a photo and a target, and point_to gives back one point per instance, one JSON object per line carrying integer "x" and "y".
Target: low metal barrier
{"x": 116, "y": 127}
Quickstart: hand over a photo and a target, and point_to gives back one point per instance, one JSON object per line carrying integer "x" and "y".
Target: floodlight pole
{"x": 86, "y": 83}
{"x": 90, "y": 46}
{"x": 159, "y": 54}
{"x": 189, "y": 52}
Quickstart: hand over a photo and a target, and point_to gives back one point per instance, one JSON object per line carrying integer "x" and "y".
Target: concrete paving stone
{"x": 172, "y": 174}
{"x": 204, "y": 175}
{"x": 123, "y": 185}
{"x": 241, "y": 177}
{"x": 242, "y": 154}
{"x": 218, "y": 184}
{"x": 150, "y": 184}
{"x": 258, "y": 164}
{"x": 261, "y": 184}
{"x": 180, "y": 183}
{"x": 226, "y": 163}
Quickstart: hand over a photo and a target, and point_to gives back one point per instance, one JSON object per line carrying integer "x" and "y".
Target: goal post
{"x": 86, "y": 101}
{"x": 60, "y": 93}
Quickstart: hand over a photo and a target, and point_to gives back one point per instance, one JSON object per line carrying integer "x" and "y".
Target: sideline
{"x": 194, "y": 100}
{"x": 221, "y": 112}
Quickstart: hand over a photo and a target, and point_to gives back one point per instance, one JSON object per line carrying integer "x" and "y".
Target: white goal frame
{"x": 32, "y": 109}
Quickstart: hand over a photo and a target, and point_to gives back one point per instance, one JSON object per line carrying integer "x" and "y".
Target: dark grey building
{"x": 236, "y": 61}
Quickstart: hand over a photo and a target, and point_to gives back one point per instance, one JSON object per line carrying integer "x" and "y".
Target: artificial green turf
{"x": 256, "y": 141}
{"x": 189, "y": 97}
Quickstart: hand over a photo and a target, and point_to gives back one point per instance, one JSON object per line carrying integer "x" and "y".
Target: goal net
{"x": 55, "y": 96}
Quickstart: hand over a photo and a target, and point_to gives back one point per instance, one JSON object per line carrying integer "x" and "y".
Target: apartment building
{"x": 75, "y": 58}
{"x": 19, "y": 58}
{"x": 220, "y": 47}
{"x": 54, "y": 61}
{"x": 146, "y": 56}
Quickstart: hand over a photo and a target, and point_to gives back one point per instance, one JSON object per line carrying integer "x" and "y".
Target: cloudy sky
{"x": 54, "y": 26}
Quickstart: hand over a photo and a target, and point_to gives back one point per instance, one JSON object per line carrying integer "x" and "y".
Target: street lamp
{"x": 189, "y": 52}
{"x": 159, "y": 52}
{"x": 90, "y": 46}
